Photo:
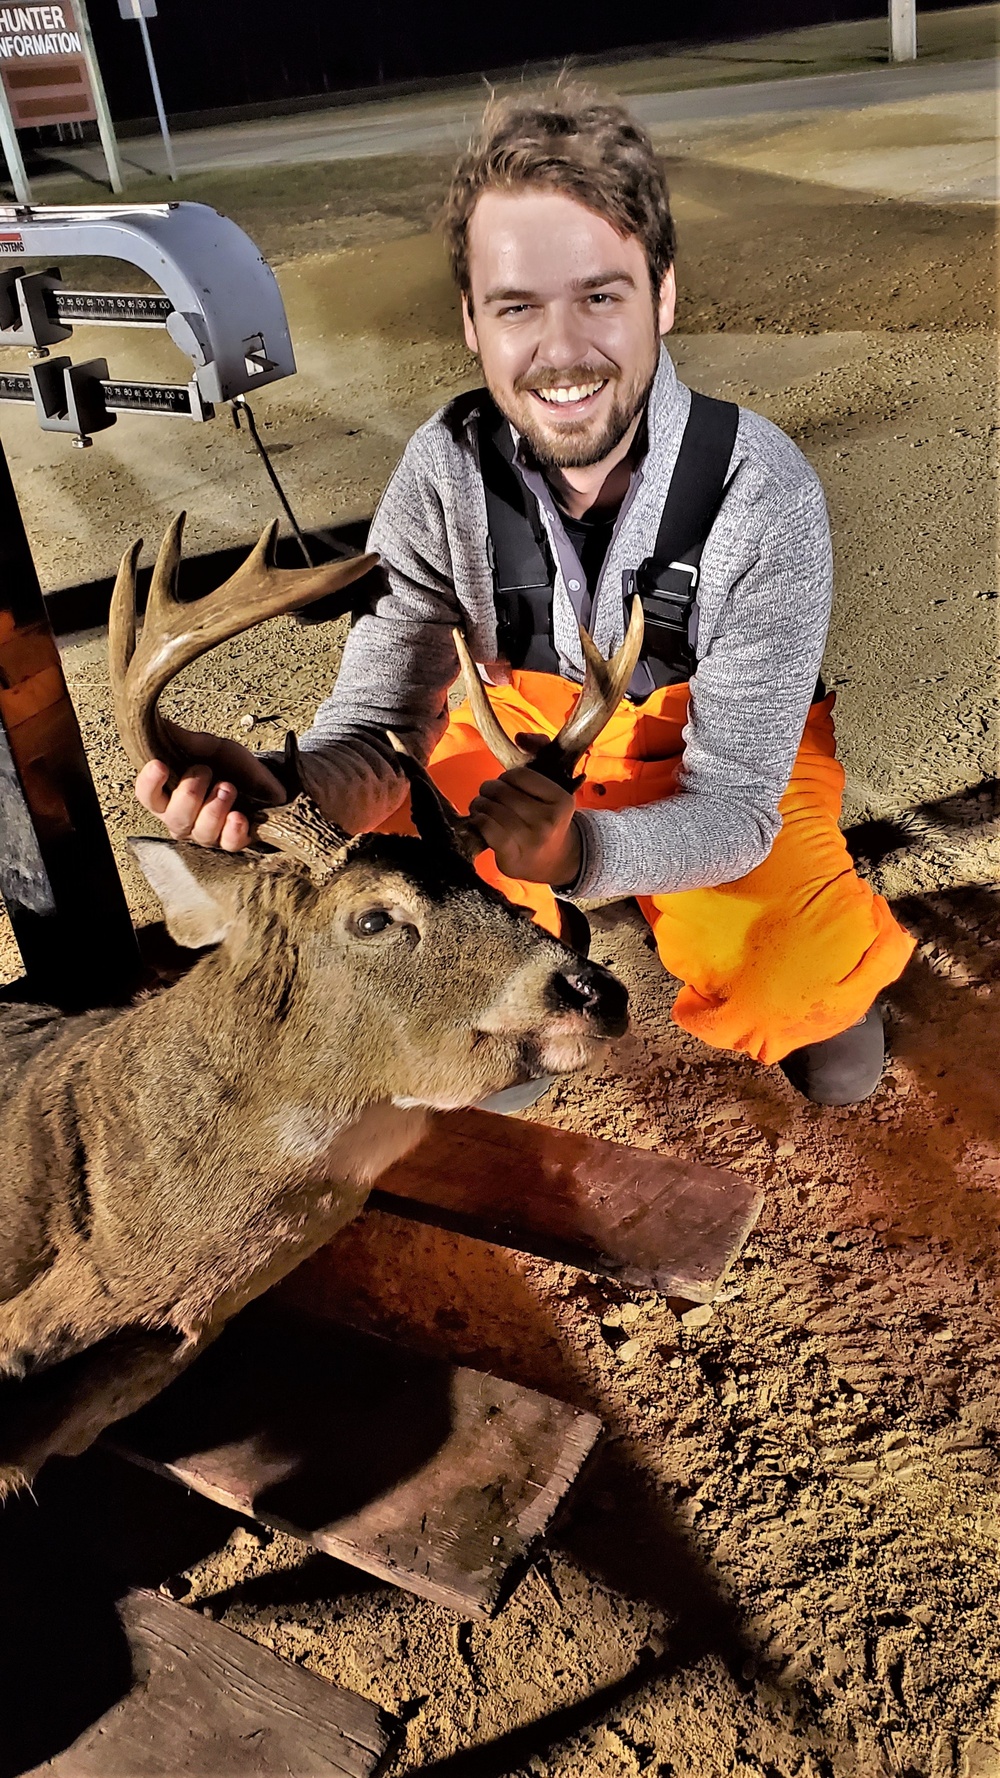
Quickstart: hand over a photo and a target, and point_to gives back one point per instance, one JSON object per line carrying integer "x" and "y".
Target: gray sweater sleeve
{"x": 749, "y": 701}
{"x": 400, "y": 660}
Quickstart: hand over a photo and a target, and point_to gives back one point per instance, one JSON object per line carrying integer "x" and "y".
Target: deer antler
{"x": 299, "y": 830}
{"x": 604, "y": 686}
{"x": 176, "y": 633}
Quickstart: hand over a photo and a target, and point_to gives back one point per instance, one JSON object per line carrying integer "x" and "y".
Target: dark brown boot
{"x": 841, "y": 1070}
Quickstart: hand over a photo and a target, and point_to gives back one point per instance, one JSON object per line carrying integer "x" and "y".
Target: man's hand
{"x": 201, "y": 806}
{"x": 529, "y": 823}
{"x": 351, "y": 782}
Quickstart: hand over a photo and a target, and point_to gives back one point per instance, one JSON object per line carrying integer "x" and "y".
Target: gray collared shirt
{"x": 582, "y": 597}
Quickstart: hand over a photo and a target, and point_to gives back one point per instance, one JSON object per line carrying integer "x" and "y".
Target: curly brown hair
{"x": 566, "y": 138}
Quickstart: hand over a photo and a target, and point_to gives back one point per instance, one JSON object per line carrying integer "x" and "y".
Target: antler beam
{"x": 604, "y": 686}
{"x": 176, "y": 632}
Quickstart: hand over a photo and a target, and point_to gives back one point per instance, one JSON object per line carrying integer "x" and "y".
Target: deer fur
{"x": 162, "y": 1165}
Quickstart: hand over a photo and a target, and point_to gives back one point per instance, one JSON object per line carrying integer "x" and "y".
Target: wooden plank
{"x": 652, "y": 1221}
{"x": 207, "y": 1703}
{"x": 432, "y": 1476}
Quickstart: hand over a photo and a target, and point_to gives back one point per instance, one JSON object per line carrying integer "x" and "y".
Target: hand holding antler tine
{"x": 176, "y": 633}
{"x": 604, "y": 686}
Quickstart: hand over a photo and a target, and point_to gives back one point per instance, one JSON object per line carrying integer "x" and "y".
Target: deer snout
{"x": 588, "y": 989}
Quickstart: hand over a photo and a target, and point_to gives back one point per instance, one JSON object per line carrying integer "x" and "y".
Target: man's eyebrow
{"x": 596, "y": 281}
{"x": 509, "y": 295}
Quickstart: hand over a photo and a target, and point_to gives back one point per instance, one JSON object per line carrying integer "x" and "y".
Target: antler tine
{"x": 487, "y": 721}
{"x": 604, "y": 686}
{"x": 176, "y": 633}
{"x": 162, "y": 593}
{"x": 121, "y": 614}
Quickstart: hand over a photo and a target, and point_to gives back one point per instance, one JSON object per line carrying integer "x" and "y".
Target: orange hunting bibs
{"x": 793, "y": 952}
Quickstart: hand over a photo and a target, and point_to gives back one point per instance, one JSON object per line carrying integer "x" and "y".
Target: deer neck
{"x": 203, "y": 1078}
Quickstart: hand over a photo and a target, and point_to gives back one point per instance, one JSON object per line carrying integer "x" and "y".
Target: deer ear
{"x": 200, "y": 890}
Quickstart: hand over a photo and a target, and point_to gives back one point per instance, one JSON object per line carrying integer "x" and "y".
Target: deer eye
{"x": 373, "y": 920}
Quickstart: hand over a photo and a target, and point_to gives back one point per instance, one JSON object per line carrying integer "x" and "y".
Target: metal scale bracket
{"x": 219, "y": 302}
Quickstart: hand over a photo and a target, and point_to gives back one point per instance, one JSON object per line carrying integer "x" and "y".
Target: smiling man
{"x": 582, "y": 476}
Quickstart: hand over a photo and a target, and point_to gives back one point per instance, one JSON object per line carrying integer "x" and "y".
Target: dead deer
{"x": 162, "y": 1165}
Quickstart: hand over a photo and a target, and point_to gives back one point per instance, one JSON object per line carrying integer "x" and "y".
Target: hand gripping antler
{"x": 176, "y": 633}
{"x": 604, "y": 686}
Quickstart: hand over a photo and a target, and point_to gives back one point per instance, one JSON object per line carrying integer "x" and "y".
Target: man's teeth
{"x": 576, "y": 392}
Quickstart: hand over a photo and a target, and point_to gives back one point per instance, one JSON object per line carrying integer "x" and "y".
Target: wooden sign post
{"x": 49, "y": 75}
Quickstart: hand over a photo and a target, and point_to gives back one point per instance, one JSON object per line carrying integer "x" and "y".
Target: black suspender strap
{"x": 698, "y": 483}
{"x": 523, "y": 570}
{"x": 668, "y": 579}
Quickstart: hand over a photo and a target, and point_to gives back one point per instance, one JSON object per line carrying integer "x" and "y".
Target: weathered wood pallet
{"x": 427, "y": 1474}
{"x": 207, "y": 1703}
{"x": 650, "y": 1220}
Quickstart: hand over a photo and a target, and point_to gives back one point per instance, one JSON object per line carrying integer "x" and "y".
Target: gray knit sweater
{"x": 761, "y": 619}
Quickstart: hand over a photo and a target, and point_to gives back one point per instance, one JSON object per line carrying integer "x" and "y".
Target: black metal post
{"x": 57, "y": 872}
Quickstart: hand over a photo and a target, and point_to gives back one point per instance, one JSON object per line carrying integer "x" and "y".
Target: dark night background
{"x": 214, "y": 53}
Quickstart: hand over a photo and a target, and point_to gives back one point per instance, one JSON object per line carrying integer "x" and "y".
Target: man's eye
{"x": 601, "y": 297}
{"x": 373, "y": 920}
{"x": 514, "y": 309}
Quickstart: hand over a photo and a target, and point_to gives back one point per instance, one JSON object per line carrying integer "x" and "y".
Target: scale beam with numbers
{"x": 218, "y": 300}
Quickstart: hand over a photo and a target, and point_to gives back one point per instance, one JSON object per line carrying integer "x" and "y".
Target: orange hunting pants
{"x": 793, "y": 952}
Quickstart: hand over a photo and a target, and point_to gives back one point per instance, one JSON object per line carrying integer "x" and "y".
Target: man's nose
{"x": 563, "y": 340}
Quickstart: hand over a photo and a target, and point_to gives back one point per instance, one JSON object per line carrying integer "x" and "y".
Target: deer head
{"x": 400, "y": 974}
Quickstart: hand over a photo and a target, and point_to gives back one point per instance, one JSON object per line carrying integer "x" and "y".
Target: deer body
{"x": 166, "y": 1164}
{"x": 135, "y": 1223}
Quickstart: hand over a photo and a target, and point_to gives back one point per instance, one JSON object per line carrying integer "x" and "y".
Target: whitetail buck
{"x": 162, "y": 1165}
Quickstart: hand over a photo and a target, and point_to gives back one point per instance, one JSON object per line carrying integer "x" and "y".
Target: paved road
{"x": 425, "y": 127}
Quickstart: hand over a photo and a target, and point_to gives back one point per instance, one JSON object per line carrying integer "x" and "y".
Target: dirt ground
{"x": 784, "y": 1563}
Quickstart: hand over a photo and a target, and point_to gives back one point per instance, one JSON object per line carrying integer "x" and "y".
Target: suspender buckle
{"x": 667, "y": 592}
{"x": 688, "y": 568}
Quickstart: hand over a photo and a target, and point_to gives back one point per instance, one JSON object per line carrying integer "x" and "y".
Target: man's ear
{"x": 668, "y": 300}
{"x": 468, "y": 325}
{"x": 200, "y": 890}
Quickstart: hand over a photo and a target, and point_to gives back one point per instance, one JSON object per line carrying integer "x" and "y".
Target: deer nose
{"x": 587, "y": 988}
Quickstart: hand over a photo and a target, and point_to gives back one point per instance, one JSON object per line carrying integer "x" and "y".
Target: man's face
{"x": 563, "y": 319}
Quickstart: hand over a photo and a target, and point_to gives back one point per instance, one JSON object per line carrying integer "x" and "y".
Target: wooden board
{"x": 430, "y": 1475}
{"x": 650, "y": 1220}
{"x": 207, "y": 1703}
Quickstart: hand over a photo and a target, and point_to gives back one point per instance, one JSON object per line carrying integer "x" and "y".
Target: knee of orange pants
{"x": 798, "y": 949}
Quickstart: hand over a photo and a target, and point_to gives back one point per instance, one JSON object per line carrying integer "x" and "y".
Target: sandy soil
{"x": 785, "y": 1562}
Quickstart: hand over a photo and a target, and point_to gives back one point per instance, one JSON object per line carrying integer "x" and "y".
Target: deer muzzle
{"x": 587, "y": 992}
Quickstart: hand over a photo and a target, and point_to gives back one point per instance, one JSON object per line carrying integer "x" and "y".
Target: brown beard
{"x": 577, "y": 448}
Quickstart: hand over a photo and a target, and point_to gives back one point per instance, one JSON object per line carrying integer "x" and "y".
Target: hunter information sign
{"x": 43, "y": 66}
{"x": 49, "y": 75}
